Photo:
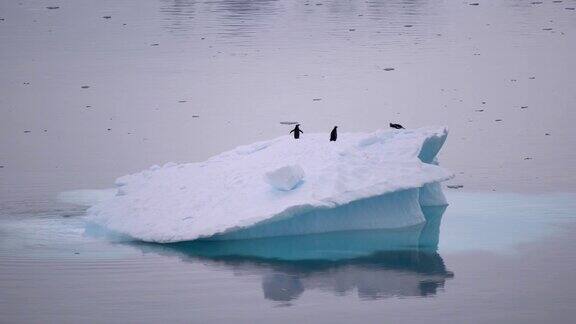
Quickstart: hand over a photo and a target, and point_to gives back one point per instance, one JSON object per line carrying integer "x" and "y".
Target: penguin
{"x": 396, "y": 126}
{"x": 296, "y": 131}
{"x": 333, "y": 134}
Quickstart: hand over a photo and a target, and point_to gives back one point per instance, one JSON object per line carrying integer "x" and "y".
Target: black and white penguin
{"x": 396, "y": 126}
{"x": 333, "y": 134}
{"x": 296, "y": 131}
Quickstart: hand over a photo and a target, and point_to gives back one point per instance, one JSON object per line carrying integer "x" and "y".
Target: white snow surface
{"x": 285, "y": 178}
{"x": 230, "y": 191}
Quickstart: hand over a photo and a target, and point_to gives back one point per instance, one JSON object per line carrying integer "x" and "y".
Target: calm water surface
{"x": 85, "y": 99}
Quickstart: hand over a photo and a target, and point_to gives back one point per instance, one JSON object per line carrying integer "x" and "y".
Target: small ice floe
{"x": 285, "y": 178}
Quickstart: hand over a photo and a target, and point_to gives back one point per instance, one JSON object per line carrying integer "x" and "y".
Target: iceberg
{"x": 282, "y": 187}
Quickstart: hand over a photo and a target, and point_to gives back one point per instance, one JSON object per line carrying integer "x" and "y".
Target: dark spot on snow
{"x": 546, "y": 28}
{"x": 547, "y": 134}
{"x": 85, "y": 87}
{"x": 408, "y": 26}
{"x": 569, "y": 8}
{"x": 455, "y": 186}
{"x": 532, "y": 78}
{"x": 527, "y": 158}
{"x": 1, "y": 167}
{"x": 181, "y": 101}
{"x": 106, "y": 17}
{"x": 474, "y": 4}
{"x": 523, "y": 107}
{"x": 288, "y": 123}
{"x": 109, "y": 129}
{"x": 389, "y": 69}
{"x": 351, "y": 29}
{"x": 537, "y": 2}
{"x": 479, "y": 110}
{"x": 155, "y": 44}
{"x": 26, "y": 83}
{"x": 316, "y": 99}
{"x": 195, "y": 116}
{"x": 52, "y": 7}
{"x": 498, "y": 120}
{"x": 27, "y": 131}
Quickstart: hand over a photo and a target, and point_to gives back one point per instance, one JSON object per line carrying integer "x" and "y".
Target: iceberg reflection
{"x": 374, "y": 263}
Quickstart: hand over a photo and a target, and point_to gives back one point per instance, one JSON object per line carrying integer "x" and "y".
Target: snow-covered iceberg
{"x": 284, "y": 187}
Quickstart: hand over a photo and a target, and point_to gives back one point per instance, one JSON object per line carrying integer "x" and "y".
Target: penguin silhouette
{"x": 333, "y": 134}
{"x": 296, "y": 131}
{"x": 396, "y": 126}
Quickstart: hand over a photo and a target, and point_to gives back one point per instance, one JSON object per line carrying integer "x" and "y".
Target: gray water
{"x": 183, "y": 80}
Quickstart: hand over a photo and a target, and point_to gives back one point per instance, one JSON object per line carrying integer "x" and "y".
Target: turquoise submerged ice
{"x": 284, "y": 187}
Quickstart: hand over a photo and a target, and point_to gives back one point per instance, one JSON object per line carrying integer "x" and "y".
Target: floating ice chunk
{"x": 361, "y": 181}
{"x": 285, "y": 178}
